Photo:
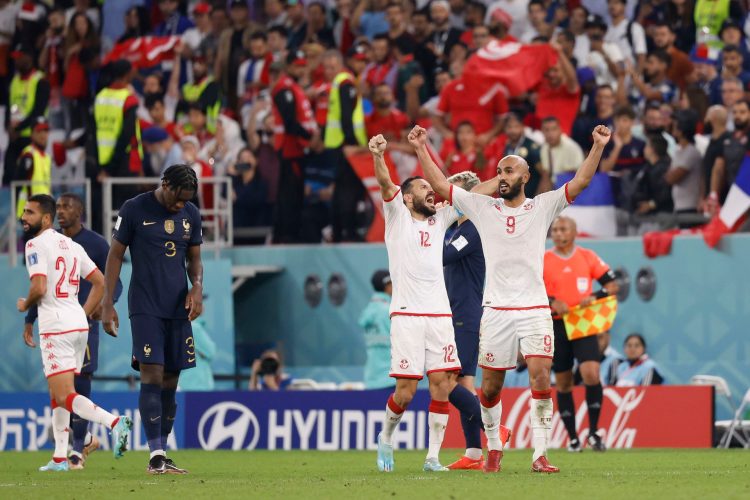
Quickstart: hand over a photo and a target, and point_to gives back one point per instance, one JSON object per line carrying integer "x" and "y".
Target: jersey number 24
{"x": 73, "y": 279}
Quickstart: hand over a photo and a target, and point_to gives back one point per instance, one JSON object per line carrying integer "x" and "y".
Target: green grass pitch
{"x": 634, "y": 474}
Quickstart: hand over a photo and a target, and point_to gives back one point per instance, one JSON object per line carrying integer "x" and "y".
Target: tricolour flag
{"x": 515, "y": 67}
{"x": 594, "y": 209}
{"x": 144, "y": 51}
{"x": 732, "y": 214}
{"x": 596, "y": 318}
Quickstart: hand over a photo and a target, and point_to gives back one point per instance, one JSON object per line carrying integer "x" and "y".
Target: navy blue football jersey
{"x": 158, "y": 241}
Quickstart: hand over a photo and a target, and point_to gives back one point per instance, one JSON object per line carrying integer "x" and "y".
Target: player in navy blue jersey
{"x": 69, "y": 212}
{"x": 163, "y": 230}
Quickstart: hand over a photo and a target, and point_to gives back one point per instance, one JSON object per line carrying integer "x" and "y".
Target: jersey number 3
{"x": 72, "y": 278}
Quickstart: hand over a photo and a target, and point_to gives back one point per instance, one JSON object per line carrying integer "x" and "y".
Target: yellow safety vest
{"x": 22, "y": 98}
{"x": 108, "y": 114}
{"x": 41, "y": 177}
{"x": 709, "y": 15}
{"x": 334, "y": 135}
{"x": 191, "y": 93}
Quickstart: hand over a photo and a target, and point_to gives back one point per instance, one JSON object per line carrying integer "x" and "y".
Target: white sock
{"x": 87, "y": 410}
{"x": 157, "y": 452}
{"x": 474, "y": 453}
{"x": 392, "y": 420}
{"x": 491, "y": 420}
{"x": 541, "y": 423}
{"x": 437, "y": 422}
{"x": 87, "y": 440}
{"x": 60, "y": 419}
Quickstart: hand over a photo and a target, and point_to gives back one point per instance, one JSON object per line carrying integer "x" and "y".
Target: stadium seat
{"x": 733, "y": 428}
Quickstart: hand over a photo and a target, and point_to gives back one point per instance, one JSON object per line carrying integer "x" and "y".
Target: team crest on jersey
{"x": 489, "y": 357}
{"x": 169, "y": 226}
{"x": 431, "y": 221}
{"x": 529, "y": 205}
{"x": 186, "y": 228}
{"x": 147, "y": 350}
{"x": 404, "y": 364}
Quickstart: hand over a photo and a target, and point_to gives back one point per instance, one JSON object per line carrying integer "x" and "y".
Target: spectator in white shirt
{"x": 604, "y": 58}
{"x": 559, "y": 152}
{"x": 684, "y": 175}
{"x": 517, "y": 10}
{"x": 627, "y": 34}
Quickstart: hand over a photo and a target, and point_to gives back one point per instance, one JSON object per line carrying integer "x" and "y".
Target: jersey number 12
{"x": 424, "y": 239}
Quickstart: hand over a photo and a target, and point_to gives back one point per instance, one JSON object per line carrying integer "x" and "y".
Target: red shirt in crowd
{"x": 463, "y": 104}
{"x": 559, "y": 102}
{"x": 390, "y": 124}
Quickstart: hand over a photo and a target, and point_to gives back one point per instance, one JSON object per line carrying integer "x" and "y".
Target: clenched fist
{"x": 377, "y": 145}
{"x": 601, "y": 135}
{"x": 417, "y": 137}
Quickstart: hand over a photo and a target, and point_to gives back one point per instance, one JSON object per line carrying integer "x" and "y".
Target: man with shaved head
{"x": 569, "y": 271}
{"x": 513, "y": 230}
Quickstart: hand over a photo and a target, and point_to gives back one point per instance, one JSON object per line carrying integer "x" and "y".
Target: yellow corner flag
{"x": 594, "y": 319}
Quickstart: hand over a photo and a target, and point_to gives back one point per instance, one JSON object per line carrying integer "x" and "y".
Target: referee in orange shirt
{"x": 569, "y": 271}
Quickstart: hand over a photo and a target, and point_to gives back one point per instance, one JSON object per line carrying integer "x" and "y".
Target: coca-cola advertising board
{"x": 631, "y": 417}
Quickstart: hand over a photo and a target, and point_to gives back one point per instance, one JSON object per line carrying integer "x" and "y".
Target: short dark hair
{"x": 662, "y": 55}
{"x": 197, "y": 106}
{"x": 405, "y": 44}
{"x": 394, "y": 4}
{"x": 259, "y": 35}
{"x": 382, "y": 36}
{"x": 46, "y": 203}
{"x": 568, "y": 35}
{"x": 478, "y": 5}
{"x": 181, "y": 176}
{"x": 635, "y": 336}
{"x": 550, "y": 119}
{"x": 465, "y": 123}
{"x": 73, "y": 196}
{"x": 536, "y": 2}
{"x": 406, "y": 185}
{"x": 152, "y": 98}
{"x": 663, "y": 24}
{"x": 746, "y": 102}
{"x": 280, "y": 29}
{"x": 625, "y": 111}
{"x": 659, "y": 144}
{"x": 731, "y": 48}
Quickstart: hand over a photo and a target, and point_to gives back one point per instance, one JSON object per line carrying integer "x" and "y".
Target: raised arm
{"x": 377, "y": 146}
{"x": 487, "y": 188}
{"x": 585, "y": 173}
{"x": 432, "y": 173}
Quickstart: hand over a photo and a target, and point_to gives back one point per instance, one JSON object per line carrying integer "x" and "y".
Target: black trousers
{"x": 289, "y": 201}
{"x": 10, "y": 168}
{"x": 347, "y": 194}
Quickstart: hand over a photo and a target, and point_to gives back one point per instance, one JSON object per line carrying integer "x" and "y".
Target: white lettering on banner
{"x": 276, "y": 431}
{"x": 243, "y": 430}
{"x": 349, "y": 419}
{"x": 333, "y": 444}
{"x": 11, "y": 429}
{"x": 375, "y": 419}
{"x": 38, "y": 437}
{"x": 617, "y": 436}
{"x": 304, "y": 427}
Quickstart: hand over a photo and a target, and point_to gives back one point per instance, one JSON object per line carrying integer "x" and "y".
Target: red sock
{"x": 114, "y": 423}
{"x": 394, "y": 407}
{"x": 59, "y": 460}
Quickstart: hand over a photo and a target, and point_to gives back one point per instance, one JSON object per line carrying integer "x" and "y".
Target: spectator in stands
{"x": 278, "y": 37}
{"x": 275, "y": 13}
{"x": 559, "y": 94}
{"x": 383, "y": 67}
{"x": 231, "y": 50}
{"x": 406, "y": 71}
{"x": 626, "y": 157}
{"x": 732, "y": 34}
{"x": 190, "y": 147}
{"x": 137, "y": 23}
{"x": 249, "y": 192}
{"x": 684, "y": 174}
{"x": 162, "y": 151}
{"x": 51, "y": 57}
{"x": 201, "y": 89}
{"x": 652, "y": 194}
{"x": 197, "y": 123}
{"x": 681, "y": 68}
{"x": 82, "y": 46}
{"x": 604, "y": 58}
{"x": 577, "y": 27}
{"x": 376, "y": 322}
{"x": 559, "y": 152}
{"x": 28, "y": 99}
{"x": 715, "y": 126}
{"x": 638, "y": 368}
{"x": 464, "y": 153}
{"x": 610, "y": 360}
{"x": 397, "y": 25}
{"x": 252, "y": 76}
{"x": 84, "y": 7}
{"x": 267, "y": 373}
{"x": 517, "y": 143}
{"x": 35, "y": 165}
{"x": 386, "y": 118}
{"x": 157, "y": 114}
{"x": 537, "y": 25}
{"x": 194, "y": 37}
{"x": 658, "y": 87}
{"x": 343, "y": 31}
{"x": 731, "y": 69}
{"x": 174, "y": 22}
{"x": 731, "y": 93}
{"x": 627, "y": 34}
{"x": 318, "y": 30}
{"x": 369, "y": 18}
{"x": 444, "y": 36}
{"x": 295, "y": 129}
{"x": 733, "y": 152}
{"x": 296, "y": 23}
{"x": 604, "y": 102}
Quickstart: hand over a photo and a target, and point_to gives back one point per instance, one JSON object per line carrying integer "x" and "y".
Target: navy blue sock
{"x": 471, "y": 415}
{"x": 168, "y": 411}
{"x": 567, "y": 409}
{"x": 78, "y": 425}
{"x": 149, "y": 404}
{"x": 594, "y": 397}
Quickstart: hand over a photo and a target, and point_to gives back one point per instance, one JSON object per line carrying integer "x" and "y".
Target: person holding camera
{"x": 249, "y": 192}
{"x": 267, "y": 373}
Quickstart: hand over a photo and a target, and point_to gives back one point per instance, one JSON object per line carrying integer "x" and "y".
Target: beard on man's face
{"x": 420, "y": 206}
{"x": 513, "y": 190}
{"x": 31, "y": 233}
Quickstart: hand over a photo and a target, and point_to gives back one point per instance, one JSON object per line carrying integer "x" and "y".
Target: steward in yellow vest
{"x": 35, "y": 165}
{"x": 204, "y": 90}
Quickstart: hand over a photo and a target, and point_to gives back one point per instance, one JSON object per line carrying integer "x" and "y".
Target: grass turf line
{"x": 704, "y": 474}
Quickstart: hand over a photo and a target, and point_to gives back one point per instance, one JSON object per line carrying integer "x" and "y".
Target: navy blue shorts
{"x": 161, "y": 341}
{"x": 91, "y": 357}
{"x": 467, "y": 343}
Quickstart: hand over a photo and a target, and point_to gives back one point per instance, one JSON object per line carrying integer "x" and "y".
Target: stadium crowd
{"x": 279, "y": 94}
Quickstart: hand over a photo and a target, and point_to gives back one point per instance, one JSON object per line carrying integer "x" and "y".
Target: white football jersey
{"x": 63, "y": 262}
{"x": 513, "y": 240}
{"x": 415, "y": 259}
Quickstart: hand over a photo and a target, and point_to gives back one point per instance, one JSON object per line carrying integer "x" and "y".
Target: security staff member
{"x": 203, "y": 90}
{"x": 35, "y": 165}
{"x": 118, "y": 136}
{"x": 345, "y": 126}
{"x": 568, "y": 273}
{"x": 28, "y": 100}
{"x": 294, "y": 128}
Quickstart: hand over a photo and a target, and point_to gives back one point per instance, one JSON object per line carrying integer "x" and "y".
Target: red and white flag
{"x": 144, "y": 51}
{"x": 517, "y": 68}
{"x": 734, "y": 212}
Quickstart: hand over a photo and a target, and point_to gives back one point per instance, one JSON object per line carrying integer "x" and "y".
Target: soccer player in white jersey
{"x": 422, "y": 337}
{"x": 516, "y": 313}
{"x": 56, "y": 264}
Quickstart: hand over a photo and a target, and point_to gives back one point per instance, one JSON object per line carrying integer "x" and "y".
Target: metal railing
{"x": 218, "y": 231}
{"x": 13, "y": 222}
